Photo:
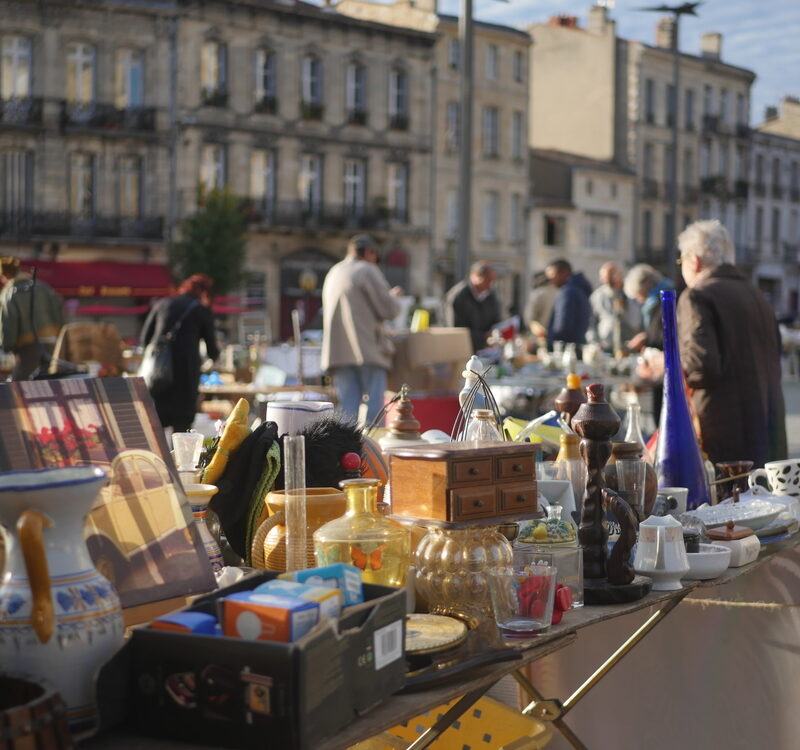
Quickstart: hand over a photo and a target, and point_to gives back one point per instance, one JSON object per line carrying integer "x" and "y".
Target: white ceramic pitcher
{"x": 60, "y": 620}
{"x": 661, "y": 553}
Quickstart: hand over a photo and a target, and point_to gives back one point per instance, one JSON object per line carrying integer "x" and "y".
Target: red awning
{"x": 103, "y": 310}
{"x": 103, "y": 278}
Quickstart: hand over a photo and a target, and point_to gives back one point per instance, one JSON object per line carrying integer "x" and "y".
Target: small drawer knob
{"x": 521, "y": 498}
{"x": 478, "y": 503}
{"x": 516, "y": 467}
{"x": 473, "y": 470}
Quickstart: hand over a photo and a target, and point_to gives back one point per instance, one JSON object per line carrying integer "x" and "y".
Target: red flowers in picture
{"x": 67, "y": 445}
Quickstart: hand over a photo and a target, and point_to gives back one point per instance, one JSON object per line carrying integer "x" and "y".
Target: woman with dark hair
{"x": 190, "y": 313}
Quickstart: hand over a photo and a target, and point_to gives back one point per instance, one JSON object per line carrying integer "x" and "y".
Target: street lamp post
{"x": 686, "y": 9}
{"x": 464, "y": 233}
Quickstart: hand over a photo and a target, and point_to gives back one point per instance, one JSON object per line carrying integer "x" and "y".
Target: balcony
{"x": 357, "y": 117}
{"x": 794, "y": 195}
{"x": 760, "y": 189}
{"x": 716, "y": 185}
{"x": 216, "y": 96}
{"x": 669, "y": 190}
{"x": 791, "y": 253}
{"x": 777, "y": 192}
{"x": 690, "y": 194}
{"x": 742, "y": 130}
{"x": 741, "y": 188}
{"x": 649, "y": 189}
{"x": 21, "y": 111}
{"x": 28, "y": 224}
{"x": 107, "y": 117}
{"x": 311, "y": 110}
{"x": 747, "y": 255}
{"x": 398, "y": 122}
{"x": 710, "y": 124}
{"x": 266, "y": 105}
{"x": 298, "y": 215}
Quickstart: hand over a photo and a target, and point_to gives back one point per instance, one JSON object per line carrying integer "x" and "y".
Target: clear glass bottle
{"x": 633, "y": 431}
{"x": 376, "y": 545}
{"x": 483, "y": 427}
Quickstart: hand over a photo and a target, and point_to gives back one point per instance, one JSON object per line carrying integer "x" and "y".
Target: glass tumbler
{"x": 187, "y": 447}
{"x": 568, "y": 562}
{"x": 522, "y": 598}
{"x": 631, "y": 482}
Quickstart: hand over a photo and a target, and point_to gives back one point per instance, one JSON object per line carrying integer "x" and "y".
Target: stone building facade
{"x": 113, "y": 113}
{"x": 500, "y": 192}
{"x": 612, "y": 99}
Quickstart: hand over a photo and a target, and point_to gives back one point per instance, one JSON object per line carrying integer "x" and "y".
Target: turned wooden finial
{"x": 405, "y": 425}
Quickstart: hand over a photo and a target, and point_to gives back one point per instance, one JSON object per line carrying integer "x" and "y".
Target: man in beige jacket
{"x": 356, "y": 351}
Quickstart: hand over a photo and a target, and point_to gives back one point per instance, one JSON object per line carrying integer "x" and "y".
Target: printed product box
{"x": 266, "y": 617}
{"x": 231, "y": 692}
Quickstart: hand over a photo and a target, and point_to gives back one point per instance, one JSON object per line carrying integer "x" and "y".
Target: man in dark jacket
{"x": 730, "y": 352}
{"x": 473, "y": 304}
{"x": 571, "y": 309}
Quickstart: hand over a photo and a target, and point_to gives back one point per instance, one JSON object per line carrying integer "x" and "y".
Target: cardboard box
{"x": 231, "y": 692}
{"x": 430, "y": 360}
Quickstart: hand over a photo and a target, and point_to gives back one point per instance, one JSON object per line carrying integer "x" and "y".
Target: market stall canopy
{"x": 102, "y": 310}
{"x": 103, "y": 278}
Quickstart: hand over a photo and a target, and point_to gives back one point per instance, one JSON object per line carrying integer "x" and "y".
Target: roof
{"x": 581, "y": 162}
{"x": 489, "y": 26}
{"x": 701, "y": 59}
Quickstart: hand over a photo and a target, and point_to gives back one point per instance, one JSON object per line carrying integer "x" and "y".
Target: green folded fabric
{"x": 272, "y": 466}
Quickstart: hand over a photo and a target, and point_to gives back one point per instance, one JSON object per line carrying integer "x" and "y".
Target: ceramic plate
{"x": 753, "y": 514}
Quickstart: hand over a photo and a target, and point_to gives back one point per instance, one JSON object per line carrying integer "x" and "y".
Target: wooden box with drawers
{"x": 464, "y": 483}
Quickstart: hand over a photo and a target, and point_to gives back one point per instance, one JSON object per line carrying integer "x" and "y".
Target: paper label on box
{"x": 388, "y": 644}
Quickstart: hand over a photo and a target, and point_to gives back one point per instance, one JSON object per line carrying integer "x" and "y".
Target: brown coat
{"x": 356, "y": 300}
{"x": 730, "y": 353}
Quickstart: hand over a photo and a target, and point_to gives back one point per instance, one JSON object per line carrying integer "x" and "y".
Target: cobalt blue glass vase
{"x": 679, "y": 462}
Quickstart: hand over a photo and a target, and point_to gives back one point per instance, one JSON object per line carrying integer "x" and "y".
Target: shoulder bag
{"x": 156, "y": 366}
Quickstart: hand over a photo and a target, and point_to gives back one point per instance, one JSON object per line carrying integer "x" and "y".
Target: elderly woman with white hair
{"x": 730, "y": 351}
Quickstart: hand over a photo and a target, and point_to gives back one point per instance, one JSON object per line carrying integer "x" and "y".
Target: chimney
{"x": 568, "y": 22}
{"x": 598, "y": 19}
{"x": 665, "y": 31}
{"x": 770, "y": 113}
{"x": 711, "y": 45}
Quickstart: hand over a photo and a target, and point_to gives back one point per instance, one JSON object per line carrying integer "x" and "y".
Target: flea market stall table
{"x": 711, "y": 676}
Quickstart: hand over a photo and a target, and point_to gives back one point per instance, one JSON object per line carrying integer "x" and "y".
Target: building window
{"x": 491, "y": 131}
{"x": 492, "y": 62}
{"x": 776, "y": 174}
{"x": 776, "y": 229}
{"x": 741, "y": 110}
{"x": 758, "y": 229}
{"x": 398, "y": 99}
{"x": 213, "y": 73}
{"x": 310, "y": 183}
{"x": 519, "y": 66}
{"x": 212, "y": 166}
{"x": 688, "y": 167}
{"x": 723, "y": 160}
{"x": 794, "y": 228}
{"x": 129, "y": 75}
{"x": 264, "y": 180}
{"x": 647, "y": 162}
{"x": 398, "y": 191}
{"x": 738, "y": 226}
{"x": 451, "y": 215}
{"x": 705, "y": 158}
{"x": 355, "y": 95}
{"x": 723, "y": 105}
{"x": 794, "y": 180}
{"x": 355, "y": 174}
{"x": 80, "y": 73}
{"x": 670, "y": 105}
{"x": 739, "y": 165}
{"x": 707, "y": 99}
{"x": 311, "y": 94}
{"x": 601, "y": 231}
{"x": 452, "y": 126}
{"x": 555, "y": 231}
{"x": 759, "y": 170}
{"x": 689, "y": 106}
{"x": 613, "y": 189}
{"x": 647, "y": 230}
{"x": 16, "y": 184}
{"x": 15, "y": 76}
{"x": 649, "y": 100}
{"x": 516, "y": 218}
{"x": 81, "y": 186}
{"x": 266, "y": 93}
{"x": 516, "y": 135}
{"x": 491, "y": 216}
{"x": 668, "y": 176}
{"x": 454, "y": 54}
{"x": 130, "y": 187}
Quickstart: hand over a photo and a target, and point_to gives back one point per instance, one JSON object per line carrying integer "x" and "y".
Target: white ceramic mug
{"x": 292, "y": 416}
{"x": 680, "y": 494}
{"x": 783, "y": 477}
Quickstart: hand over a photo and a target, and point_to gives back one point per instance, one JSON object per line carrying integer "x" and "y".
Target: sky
{"x": 760, "y": 35}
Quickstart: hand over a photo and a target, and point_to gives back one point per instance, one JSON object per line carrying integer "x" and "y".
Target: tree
{"x": 212, "y": 240}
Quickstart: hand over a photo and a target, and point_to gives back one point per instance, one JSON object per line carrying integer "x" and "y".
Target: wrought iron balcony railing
{"x": 24, "y": 224}
{"x": 99, "y": 116}
{"x": 21, "y": 111}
